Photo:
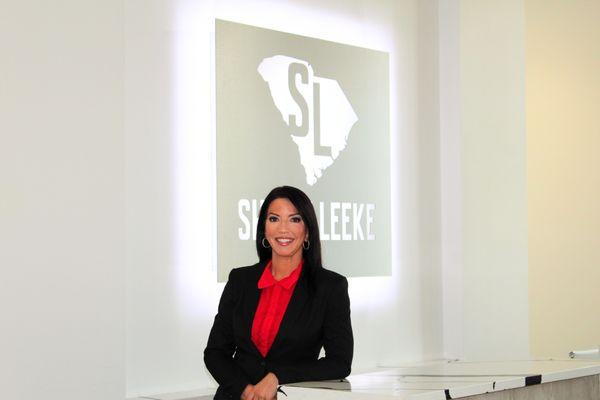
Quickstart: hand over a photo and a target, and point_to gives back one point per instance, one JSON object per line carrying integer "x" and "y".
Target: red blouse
{"x": 274, "y": 299}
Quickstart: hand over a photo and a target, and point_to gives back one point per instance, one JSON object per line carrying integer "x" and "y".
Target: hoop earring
{"x": 306, "y": 244}
{"x": 266, "y": 246}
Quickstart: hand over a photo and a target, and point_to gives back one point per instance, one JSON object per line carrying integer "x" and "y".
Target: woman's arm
{"x": 338, "y": 343}
{"x": 218, "y": 355}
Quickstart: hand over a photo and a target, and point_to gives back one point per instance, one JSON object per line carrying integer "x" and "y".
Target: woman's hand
{"x": 248, "y": 393}
{"x": 266, "y": 389}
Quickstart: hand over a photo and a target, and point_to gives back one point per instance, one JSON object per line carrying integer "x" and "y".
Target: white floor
{"x": 436, "y": 380}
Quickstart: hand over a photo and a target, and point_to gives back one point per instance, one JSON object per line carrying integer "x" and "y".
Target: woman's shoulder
{"x": 247, "y": 272}
{"x": 329, "y": 278}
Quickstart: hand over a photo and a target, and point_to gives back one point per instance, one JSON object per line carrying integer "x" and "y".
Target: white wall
{"x": 62, "y": 250}
{"x": 451, "y": 177}
{"x": 484, "y": 181}
{"x": 492, "y": 118}
{"x": 172, "y": 290}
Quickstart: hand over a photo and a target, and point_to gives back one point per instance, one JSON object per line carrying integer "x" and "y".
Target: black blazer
{"x": 318, "y": 315}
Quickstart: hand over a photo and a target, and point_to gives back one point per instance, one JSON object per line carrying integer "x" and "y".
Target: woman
{"x": 275, "y": 316}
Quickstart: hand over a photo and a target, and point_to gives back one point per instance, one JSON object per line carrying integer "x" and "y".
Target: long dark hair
{"x": 312, "y": 256}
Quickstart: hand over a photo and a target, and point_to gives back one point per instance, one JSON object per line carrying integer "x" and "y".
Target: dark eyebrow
{"x": 291, "y": 215}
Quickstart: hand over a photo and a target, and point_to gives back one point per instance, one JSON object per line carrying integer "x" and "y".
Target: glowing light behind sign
{"x": 193, "y": 114}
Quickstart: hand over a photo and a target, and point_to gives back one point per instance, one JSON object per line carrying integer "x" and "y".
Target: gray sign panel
{"x": 309, "y": 113}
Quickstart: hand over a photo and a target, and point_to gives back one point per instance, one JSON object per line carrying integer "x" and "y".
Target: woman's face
{"x": 285, "y": 229}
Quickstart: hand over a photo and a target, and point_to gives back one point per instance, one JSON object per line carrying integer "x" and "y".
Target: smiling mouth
{"x": 284, "y": 241}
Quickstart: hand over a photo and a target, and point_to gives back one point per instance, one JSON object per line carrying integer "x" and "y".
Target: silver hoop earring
{"x": 306, "y": 244}
{"x": 266, "y": 246}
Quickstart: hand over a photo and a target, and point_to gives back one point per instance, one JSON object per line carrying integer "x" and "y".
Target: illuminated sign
{"x": 309, "y": 113}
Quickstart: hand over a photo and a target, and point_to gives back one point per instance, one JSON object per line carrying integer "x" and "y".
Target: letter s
{"x": 244, "y": 233}
{"x": 293, "y": 70}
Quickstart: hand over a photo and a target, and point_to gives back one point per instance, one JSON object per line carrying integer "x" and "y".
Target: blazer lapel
{"x": 251, "y": 304}
{"x": 292, "y": 312}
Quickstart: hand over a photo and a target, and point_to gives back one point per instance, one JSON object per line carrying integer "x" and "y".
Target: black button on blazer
{"x": 318, "y": 315}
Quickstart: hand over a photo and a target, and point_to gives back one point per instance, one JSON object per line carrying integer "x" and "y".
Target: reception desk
{"x": 442, "y": 380}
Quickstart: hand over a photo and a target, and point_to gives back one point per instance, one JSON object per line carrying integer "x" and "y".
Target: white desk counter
{"x": 442, "y": 380}
{"x": 457, "y": 379}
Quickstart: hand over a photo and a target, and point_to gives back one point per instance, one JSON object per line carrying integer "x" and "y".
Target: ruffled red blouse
{"x": 274, "y": 299}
